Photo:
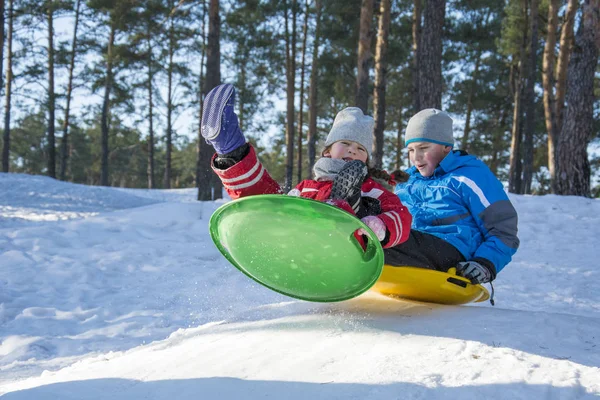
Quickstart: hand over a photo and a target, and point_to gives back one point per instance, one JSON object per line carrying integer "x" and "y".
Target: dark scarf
{"x": 326, "y": 169}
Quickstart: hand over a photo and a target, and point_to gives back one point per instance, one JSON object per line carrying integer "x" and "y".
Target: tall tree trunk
{"x": 573, "y": 172}
{"x": 302, "y": 68}
{"x": 514, "y": 175}
{"x": 150, "y": 168}
{"x": 312, "y": 95}
{"x": 201, "y": 143}
{"x": 106, "y": 106}
{"x": 216, "y": 185}
{"x": 365, "y": 55}
{"x": 416, "y": 50}
{"x": 548, "y": 83}
{"x": 169, "y": 138}
{"x": 64, "y": 143}
{"x": 430, "y": 64}
{"x": 530, "y": 99}
{"x": 213, "y": 79}
{"x": 380, "y": 81}
{"x": 516, "y": 165}
{"x": 1, "y": 42}
{"x": 8, "y": 92}
{"x": 290, "y": 47}
{"x": 566, "y": 45}
{"x": 51, "y": 98}
{"x": 564, "y": 53}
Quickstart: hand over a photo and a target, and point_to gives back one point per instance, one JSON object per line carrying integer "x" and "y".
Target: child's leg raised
{"x": 220, "y": 126}
{"x": 235, "y": 163}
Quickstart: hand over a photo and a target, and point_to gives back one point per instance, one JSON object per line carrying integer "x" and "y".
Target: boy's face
{"x": 426, "y": 156}
{"x": 347, "y": 150}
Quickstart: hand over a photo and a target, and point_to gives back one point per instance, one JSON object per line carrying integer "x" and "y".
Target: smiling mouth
{"x": 348, "y": 159}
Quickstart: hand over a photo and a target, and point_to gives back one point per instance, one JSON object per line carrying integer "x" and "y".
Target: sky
{"x": 109, "y": 293}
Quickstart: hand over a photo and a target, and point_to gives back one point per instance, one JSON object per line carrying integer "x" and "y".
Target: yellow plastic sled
{"x": 429, "y": 286}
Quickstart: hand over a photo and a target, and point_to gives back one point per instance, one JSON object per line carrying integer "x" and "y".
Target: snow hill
{"x": 110, "y": 293}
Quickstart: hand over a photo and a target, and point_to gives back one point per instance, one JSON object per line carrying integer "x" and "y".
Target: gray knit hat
{"x": 430, "y": 125}
{"x": 352, "y": 124}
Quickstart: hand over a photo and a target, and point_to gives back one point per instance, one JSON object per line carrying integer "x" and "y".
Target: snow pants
{"x": 424, "y": 251}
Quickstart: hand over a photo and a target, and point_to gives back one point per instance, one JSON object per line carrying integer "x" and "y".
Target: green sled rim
{"x": 298, "y": 247}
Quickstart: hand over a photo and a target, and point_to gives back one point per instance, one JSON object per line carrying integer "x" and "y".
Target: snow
{"x": 110, "y": 293}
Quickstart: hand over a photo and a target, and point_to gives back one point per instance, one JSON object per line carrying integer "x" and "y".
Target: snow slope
{"x": 112, "y": 293}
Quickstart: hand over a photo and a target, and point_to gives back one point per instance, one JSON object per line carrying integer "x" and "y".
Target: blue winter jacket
{"x": 464, "y": 204}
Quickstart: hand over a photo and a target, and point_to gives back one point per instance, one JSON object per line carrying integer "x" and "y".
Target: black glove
{"x": 477, "y": 271}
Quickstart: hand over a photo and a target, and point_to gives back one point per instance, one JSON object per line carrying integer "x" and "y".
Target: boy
{"x": 461, "y": 215}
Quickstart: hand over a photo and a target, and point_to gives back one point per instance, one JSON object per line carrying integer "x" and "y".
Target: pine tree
{"x": 147, "y": 40}
{"x": 472, "y": 32}
{"x": 28, "y": 143}
{"x": 379, "y": 103}
{"x": 573, "y": 169}
{"x": 117, "y": 15}
{"x": 514, "y": 43}
{"x": 337, "y": 71}
{"x": 256, "y": 60}
{"x": 301, "y": 94}
{"x": 365, "y": 55}
{"x": 2, "y": 18}
{"x": 476, "y": 74}
{"x": 8, "y": 90}
{"x": 200, "y": 144}
{"x": 416, "y": 53}
{"x": 64, "y": 145}
{"x": 213, "y": 79}
{"x": 430, "y": 63}
{"x": 554, "y": 83}
{"x": 290, "y": 68}
{"x": 529, "y": 100}
{"x": 176, "y": 73}
{"x": 50, "y": 10}
{"x": 313, "y": 92}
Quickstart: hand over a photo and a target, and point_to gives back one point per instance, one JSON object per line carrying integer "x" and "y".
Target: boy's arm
{"x": 395, "y": 216}
{"x": 495, "y": 216}
{"x": 247, "y": 177}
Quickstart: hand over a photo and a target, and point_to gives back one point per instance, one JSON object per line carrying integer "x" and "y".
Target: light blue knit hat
{"x": 430, "y": 125}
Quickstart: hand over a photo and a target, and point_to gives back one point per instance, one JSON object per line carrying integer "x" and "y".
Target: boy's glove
{"x": 376, "y": 225}
{"x": 477, "y": 271}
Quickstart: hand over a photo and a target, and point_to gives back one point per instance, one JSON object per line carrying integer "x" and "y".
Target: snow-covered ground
{"x": 112, "y": 293}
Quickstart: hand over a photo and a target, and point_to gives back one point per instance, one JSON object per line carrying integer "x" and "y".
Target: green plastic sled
{"x": 299, "y": 247}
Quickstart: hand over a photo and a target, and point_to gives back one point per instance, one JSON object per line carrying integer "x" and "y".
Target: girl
{"x": 341, "y": 174}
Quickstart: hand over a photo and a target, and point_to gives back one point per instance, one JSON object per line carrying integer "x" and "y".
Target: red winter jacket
{"x": 248, "y": 177}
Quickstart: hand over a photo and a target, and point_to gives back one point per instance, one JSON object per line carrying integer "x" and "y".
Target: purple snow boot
{"x": 220, "y": 125}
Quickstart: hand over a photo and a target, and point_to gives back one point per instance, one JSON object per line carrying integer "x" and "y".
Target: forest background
{"x": 109, "y": 92}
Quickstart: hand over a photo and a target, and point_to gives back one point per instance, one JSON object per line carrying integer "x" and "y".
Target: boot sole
{"x": 214, "y": 104}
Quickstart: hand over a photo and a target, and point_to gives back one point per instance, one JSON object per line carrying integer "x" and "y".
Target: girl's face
{"x": 347, "y": 150}
{"x": 427, "y": 156}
